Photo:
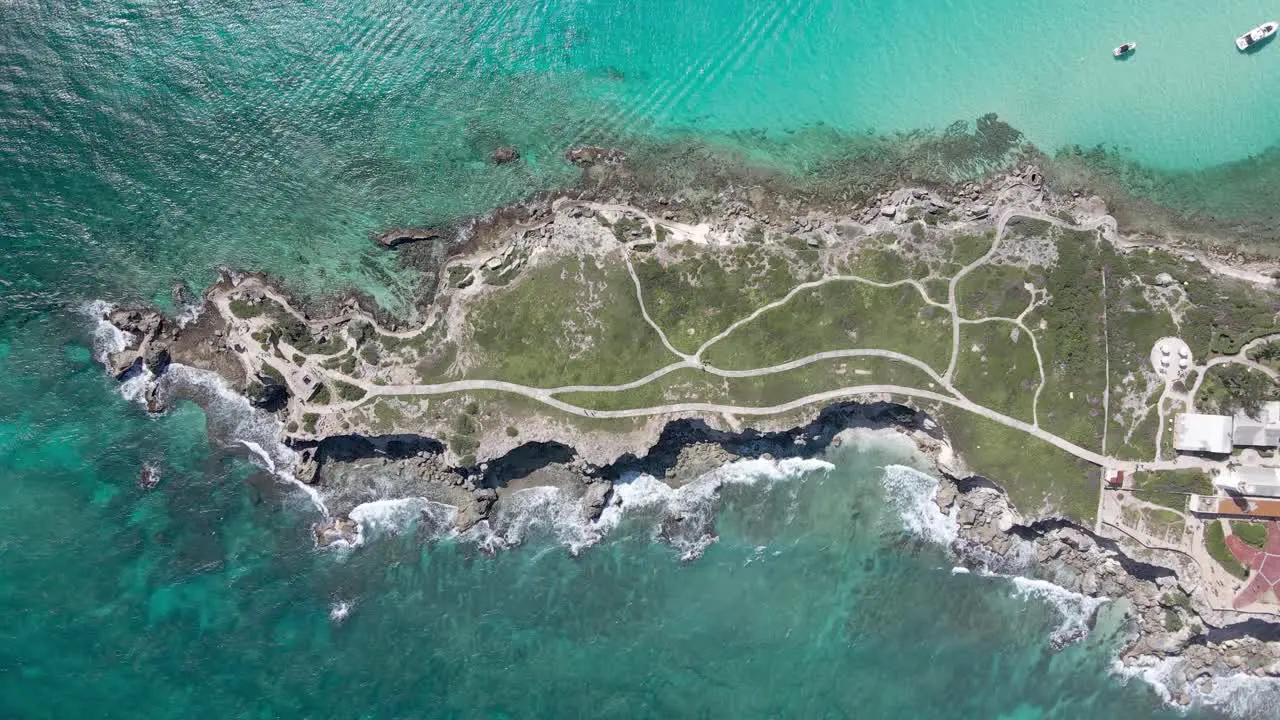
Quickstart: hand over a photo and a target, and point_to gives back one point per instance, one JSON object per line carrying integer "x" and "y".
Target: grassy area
{"x": 1253, "y": 533}
{"x": 1170, "y": 487}
{"x": 244, "y": 309}
{"x": 1227, "y": 315}
{"x": 387, "y": 418}
{"x": 994, "y": 291}
{"x": 568, "y": 323}
{"x": 1001, "y": 374}
{"x": 836, "y": 316}
{"x": 1072, "y": 342}
{"x": 1036, "y": 475}
{"x": 1216, "y": 543}
{"x": 965, "y": 249}
{"x": 1141, "y": 444}
{"x": 691, "y": 385}
{"x": 1165, "y": 524}
{"x": 694, "y": 299}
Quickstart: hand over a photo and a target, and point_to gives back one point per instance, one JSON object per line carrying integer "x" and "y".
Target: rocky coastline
{"x": 157, "y": 356}
{"x": 1167, "y": 625}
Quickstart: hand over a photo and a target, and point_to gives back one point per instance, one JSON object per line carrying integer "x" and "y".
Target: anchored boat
{"x": 1257, "y": 35}
{"x": 1125, "y": 49}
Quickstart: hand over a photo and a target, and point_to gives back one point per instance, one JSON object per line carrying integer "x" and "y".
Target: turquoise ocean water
{"x": 145, "y": 143}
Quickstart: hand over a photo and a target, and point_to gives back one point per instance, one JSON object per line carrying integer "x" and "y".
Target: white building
{"x": 1193, "y": 432}
{"x": 1250, "y": 480}
{"x": 1251, "y": 433}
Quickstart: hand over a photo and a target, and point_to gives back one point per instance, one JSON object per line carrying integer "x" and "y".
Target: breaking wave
{"x": 379, "y": 517}
{"x": 911, "y": 493}
{"x": 1240, "y": 695}
{"x": 107, "y": 338}
{"x": 683, "y": 517}
{"x": 1077, "y": 610}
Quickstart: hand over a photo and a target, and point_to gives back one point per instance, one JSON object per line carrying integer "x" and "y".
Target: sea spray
{"x": 107, "y": 338}
{"x": 380, "y": 517}
{"x": 1077, "y": 610}
{"x": 685, "y": 516}
{"x": 1240, "y": 695}
{"x": 911, "y": 492}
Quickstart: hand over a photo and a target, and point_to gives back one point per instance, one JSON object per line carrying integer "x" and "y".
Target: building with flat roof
{"x": 1251, "y": 433}
{"x": 1250, "y": 480}
{"x": 1193, "y": 432}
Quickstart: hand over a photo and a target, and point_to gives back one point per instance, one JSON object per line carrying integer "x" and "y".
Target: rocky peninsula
{"x": 580, "y": 338}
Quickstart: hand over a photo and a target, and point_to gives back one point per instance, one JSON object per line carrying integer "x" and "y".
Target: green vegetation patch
{"x": 837, "y": 316}
{"x": 1252, "y": 533}
{"x": 1033, "y": 473}
{"x": 1002, "y": 373}
{"x": 1171, "y": 487}
{"x": 695, "y": 385}
{"x": 568, "y": 323}
{"x": 966, "y": 249}
{"x": 993, "y": 291}
{"x": 1227, "y": 314}
{"x": 347, "y": 391}
{"x": 696, "y": 298}
{"x": 387, "y": 418}
{"x": 244, "y": 309}
{"x": 1230, "y": 388}
{"x": 1072, "y": 342}
{"x": 1266, "y": 353}
{"x": 1216, "y": 543}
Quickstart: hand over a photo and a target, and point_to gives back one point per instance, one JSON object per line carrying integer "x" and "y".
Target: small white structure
{"x": 1250, "y": 480}
{"x": 1193, "y": 432}
{"x": 1162, "y": 354}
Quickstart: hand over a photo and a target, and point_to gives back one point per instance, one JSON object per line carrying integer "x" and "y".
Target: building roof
{"x": 1193, "y": 432}
{"x": 1248, "y": 432}
{"x": 1250, "y": 480}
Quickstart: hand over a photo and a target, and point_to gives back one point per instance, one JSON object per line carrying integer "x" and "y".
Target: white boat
{"x": 1257, "y": 35}
{"x": 1125, "y": 49}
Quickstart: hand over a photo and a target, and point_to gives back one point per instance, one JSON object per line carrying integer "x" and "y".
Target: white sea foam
{"x": 912, "y": 492}
{"x": 686, "y": 515}
{"x": 549, "y": 508}
{"x": 1076, "y": 609}
{"x": 393, "y": 516}
{"x": 231, "y": 418}
{"x": 107, "y": 338}
{"x": 1239, "y": 695}
{"x": 683, "y": 517}
{"x": 339, "y": 611}
{"x": 1242, "y": 696}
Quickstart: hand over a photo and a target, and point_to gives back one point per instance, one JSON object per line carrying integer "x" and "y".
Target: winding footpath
{"x": 946, "y": 394}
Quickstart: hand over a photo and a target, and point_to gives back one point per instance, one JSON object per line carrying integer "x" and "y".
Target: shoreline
{"x": 676, "y": 446}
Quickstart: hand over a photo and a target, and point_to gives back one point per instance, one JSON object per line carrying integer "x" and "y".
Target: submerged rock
{"x": 589, "y": 155}
{"x": 504, "y": 155}
{"x": 399, "y": 236}
{"x": 338, "y": 530}
{"x": 149, "y": 478}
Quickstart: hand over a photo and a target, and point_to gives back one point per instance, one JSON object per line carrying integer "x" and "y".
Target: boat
{"x": 1125, "y": 49}
{"x": 1257, "y": 35}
